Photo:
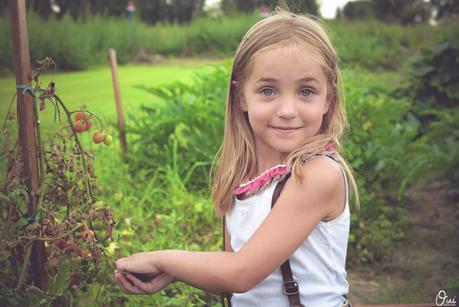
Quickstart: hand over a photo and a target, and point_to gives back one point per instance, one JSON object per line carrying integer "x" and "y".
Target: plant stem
{"x": 28, "y": 251}
{"x": 80, "y": 148}
{"x": 61, "y": 236}
{"x": 41, "y": 165}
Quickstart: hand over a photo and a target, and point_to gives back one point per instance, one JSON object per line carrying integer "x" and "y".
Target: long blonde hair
{"x": 235, "y": 161}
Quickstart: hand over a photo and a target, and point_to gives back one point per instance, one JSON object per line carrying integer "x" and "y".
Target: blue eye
{"x": 306, "y": 92}
{"x": 267, "y": 91}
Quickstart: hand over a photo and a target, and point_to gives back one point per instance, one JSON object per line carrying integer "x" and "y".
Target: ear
{"x": 242, "y": 104}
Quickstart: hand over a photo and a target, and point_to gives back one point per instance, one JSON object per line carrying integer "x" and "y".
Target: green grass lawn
{"x": 94, "y": 88}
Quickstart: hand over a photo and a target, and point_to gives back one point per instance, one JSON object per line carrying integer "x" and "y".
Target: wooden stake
{"x": 27, "y": 132}
{"x": 119, "y": 108}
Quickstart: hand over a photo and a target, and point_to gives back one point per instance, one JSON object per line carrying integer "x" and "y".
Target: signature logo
{"x": 442, "y": 299}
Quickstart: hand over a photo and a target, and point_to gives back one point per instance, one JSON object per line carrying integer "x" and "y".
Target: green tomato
{"x": 108, "y": 140}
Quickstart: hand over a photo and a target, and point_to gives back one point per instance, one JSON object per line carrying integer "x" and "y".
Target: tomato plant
{"x": 67, "y": 212}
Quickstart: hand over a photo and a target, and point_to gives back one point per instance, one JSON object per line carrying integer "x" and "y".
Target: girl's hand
{"x": 132, "y": 285}
{"x": 143, "y": 263}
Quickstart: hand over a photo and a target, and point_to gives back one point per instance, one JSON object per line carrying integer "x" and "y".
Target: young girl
{"x": 284, "y": 115}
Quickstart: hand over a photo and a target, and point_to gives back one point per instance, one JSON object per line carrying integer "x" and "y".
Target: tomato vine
{"x": 69, "y": 218}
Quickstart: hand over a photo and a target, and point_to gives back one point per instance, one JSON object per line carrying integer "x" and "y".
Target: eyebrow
{"x": 304, "y": 79}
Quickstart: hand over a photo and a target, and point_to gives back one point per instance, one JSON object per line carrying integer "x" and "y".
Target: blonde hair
{"x": 235, "y": 161}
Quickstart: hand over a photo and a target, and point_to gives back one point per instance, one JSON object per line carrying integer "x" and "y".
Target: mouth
{"x": 286, "y": 128}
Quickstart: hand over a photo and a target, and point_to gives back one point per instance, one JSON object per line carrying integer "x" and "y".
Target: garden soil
{"x": 425, "y": 262}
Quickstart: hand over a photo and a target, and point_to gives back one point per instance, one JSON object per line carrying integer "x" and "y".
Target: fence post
{"x": 119, "y": 108}
{"x": 27, "y": 129}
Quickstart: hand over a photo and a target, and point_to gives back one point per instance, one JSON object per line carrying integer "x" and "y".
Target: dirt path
{"x": 426, "y": 262}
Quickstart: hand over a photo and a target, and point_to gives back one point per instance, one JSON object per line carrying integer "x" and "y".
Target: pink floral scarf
{"x": 258, "y": 183}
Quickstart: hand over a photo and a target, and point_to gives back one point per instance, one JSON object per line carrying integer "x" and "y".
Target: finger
{"x": 133, "y": 263}
{"x": 127, "y": 285}
{"x": 121, "y": 283}
{"x": 120, "y": 264}
{"x": 138, "y": 283}
{"x": 159, "y": 283}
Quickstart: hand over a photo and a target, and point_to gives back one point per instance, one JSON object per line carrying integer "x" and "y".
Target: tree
{"x": 181, "y": 11}
{"x": 250, "y": 6}
{"x": 405, "y": 12}
{"x": 358, "y": 10}
{"x": 445, "y": 8}
{"x": 150, "y": 11}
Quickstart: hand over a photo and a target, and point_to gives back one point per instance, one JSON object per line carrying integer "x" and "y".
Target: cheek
{"x": 259, "y": 115}
{"x": 312, "y": 114}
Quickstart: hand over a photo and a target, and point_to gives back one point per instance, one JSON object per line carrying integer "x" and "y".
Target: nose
{"x": 287, "y": 108}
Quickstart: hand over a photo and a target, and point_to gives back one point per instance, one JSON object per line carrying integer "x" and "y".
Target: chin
{"x": 286, "y": 148}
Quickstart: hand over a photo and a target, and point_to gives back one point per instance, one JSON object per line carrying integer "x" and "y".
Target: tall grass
{"x": 77, "y": 44}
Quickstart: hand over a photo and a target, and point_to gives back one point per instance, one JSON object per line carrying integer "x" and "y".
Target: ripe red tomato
{"x": 80, "y": 126}
{"x": 88, "y": 124}
{"x": 98, "y": 137}
{"x": 80, "y": 115}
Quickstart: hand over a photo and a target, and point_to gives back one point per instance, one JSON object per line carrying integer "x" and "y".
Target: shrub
{"x": 432, "y": 83}
{"x": 188, "y": 117}
{"x": 379, "y": 148}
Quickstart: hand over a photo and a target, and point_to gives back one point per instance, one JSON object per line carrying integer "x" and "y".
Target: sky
{"x": 327, "y": 8}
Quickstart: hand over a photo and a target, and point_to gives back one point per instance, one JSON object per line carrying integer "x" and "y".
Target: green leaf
{"x": 34, "y": 294}
{"x": 62, "y": 279}
{"x": 379, "y": 166}
{"x": 198, "y": 207}
{"x": 423, "y": 70}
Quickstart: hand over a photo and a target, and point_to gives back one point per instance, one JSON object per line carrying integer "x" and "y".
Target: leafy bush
{"x": 433, "y": 79}
{"x": 375, "y": 45}
{"x": 379, "y": 148}
{"x": 432, "y": 83}
{"x": 190, "y": 118}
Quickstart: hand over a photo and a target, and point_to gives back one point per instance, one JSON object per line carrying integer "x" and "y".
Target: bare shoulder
{"x": 323, "y": 185}
{"x": 323, "y": 174}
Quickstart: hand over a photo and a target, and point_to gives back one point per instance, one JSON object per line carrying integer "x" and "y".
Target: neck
{"x": 267, "y": 163}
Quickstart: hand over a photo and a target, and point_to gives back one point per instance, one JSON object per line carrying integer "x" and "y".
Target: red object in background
{"x": 264, "y": 11}
{"x": 130, "y": 6}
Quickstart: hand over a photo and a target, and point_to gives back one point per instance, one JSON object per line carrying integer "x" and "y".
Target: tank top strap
{"x": 333, "y": 157}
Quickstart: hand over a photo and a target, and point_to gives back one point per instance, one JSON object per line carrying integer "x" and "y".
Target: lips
{"x": 285, "y": 131}
{"x": 286, "y": 128}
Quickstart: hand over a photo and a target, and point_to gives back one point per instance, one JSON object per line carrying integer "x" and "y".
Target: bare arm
{"x": 210, "y": 271}
{"x": 218, "y": 283}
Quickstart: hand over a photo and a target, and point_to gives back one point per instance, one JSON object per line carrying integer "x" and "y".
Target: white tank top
{"x": 318, "y": 265}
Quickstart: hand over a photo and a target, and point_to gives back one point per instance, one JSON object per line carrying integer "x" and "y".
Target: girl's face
{"x": 285, "y": 96}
